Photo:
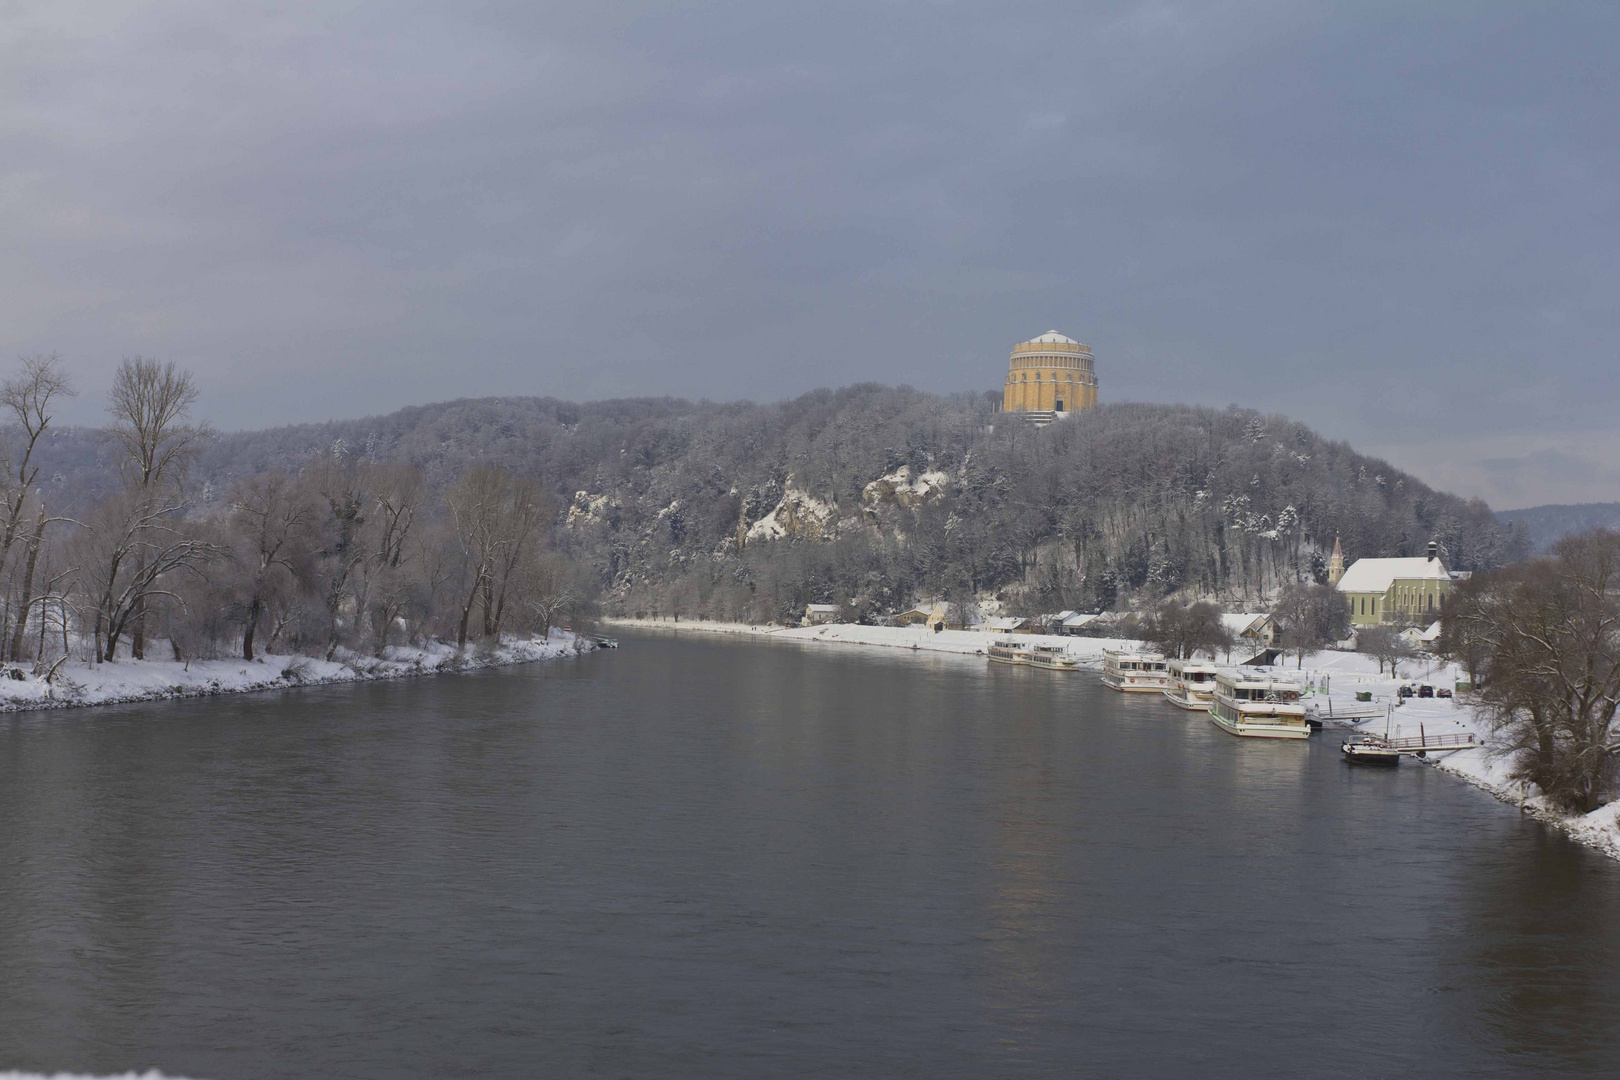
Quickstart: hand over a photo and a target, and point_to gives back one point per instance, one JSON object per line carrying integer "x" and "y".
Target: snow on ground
{"x": 951, "y": 641}
{"x": 80, "y": 683}
{"x": 1330, "y": 681}
{"x": 894, "y": 637}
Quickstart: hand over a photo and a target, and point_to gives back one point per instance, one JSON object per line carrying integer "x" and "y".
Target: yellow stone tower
{"x": 1050, "y": 375}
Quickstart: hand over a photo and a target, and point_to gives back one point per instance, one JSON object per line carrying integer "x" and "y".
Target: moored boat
{"x": 1053, "y": 658}
{"x": 1007, "y": 651}
{"x": 1370, "y": 751}
{"x": 1132, "y": 672}
{"x": 1258, "y": 706}
{"x": 1190, "y": 684}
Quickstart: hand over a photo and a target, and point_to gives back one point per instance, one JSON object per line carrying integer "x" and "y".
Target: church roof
{"x": 1052, "y": 337}
{"x": 1377, "y": 575}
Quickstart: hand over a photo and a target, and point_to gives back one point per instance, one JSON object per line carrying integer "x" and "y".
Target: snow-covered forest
{"x": 870, "y": 497}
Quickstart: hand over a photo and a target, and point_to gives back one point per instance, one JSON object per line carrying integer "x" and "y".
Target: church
{"x": 1049, "y": 376}
{"x": 1404, "y": 592}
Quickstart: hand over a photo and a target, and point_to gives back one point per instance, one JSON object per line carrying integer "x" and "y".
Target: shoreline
{"x": 913, "y": 638}
{"x": 124, "y": 682}
{"x": 1599, "y": 830}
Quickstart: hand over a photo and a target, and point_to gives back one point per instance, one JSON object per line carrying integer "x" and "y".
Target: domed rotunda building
{"x": 1050, "y": 375}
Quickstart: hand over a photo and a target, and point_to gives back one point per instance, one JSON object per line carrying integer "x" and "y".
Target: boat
{"x": 1134, "y": 672}
{"x": 1258, "y": 706}
{"x": 1370, "y": 750}
{"x": 1191, "y": 683}
{"x": 1007, "y": 651}
{"x": 607, "y": 643}
{"x": 1053, "y": 658}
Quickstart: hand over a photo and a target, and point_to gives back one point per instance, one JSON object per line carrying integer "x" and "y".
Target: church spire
{"x": 1336, "y": 563}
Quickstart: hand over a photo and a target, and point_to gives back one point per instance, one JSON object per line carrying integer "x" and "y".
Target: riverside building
{"x": 1399, "y": 591}
{"x": 1049, "y": 376}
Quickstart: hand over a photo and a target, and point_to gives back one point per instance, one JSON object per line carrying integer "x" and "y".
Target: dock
{"x": 1424, "y": 743}
{"x": 1356, "y": 714}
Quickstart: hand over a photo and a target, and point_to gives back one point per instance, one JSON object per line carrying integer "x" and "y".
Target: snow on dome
{"x": 1052, "y": 337}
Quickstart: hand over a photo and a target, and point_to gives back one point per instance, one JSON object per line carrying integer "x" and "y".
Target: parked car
{"x": 1406, "y": 690}
{"x": 1425, "y": 690}
{"x": 1442, "y": 692}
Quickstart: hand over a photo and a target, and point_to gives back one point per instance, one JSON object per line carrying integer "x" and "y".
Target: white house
{"x": 1003, "y": 624}
{"x": 817, "y": 614}
{"x": 1251, "y": 628}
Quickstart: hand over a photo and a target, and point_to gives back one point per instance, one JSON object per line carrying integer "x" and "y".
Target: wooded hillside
{"x": 873, "y": 496}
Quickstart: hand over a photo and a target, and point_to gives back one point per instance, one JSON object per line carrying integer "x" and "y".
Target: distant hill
{"x": 1549, "y": 524}
{"x": 874, "y": 496}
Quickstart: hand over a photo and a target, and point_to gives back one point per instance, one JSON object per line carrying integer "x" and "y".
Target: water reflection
{"x": 1029, "y": 892}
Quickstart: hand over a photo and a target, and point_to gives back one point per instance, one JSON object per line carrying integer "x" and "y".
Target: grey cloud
{"x": 1389, "y": 222}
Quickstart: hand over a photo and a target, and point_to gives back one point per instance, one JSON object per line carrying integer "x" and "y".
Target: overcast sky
{"x": 1396, "y": 222}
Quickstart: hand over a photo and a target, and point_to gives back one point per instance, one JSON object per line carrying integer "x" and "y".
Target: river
{"x": 721, "y": 857}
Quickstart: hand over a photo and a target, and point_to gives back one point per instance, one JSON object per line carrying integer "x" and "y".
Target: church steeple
{"x": 1336, "y": 563}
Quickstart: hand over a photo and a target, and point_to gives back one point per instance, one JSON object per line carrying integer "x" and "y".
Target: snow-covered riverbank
{"x": 79, "y": 684}
{"x": 1332, "y": 680}
{"x": 968, "y": 642}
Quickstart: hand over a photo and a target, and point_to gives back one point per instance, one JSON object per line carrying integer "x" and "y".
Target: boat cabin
{"x": 1130, "y": 671}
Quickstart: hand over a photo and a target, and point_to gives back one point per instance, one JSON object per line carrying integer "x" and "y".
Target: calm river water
{"x": 703, "y": 856}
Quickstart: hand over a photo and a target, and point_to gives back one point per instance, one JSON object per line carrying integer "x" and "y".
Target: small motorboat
{"x": 607, "y": 643}
{"x": 1370, "y": 751}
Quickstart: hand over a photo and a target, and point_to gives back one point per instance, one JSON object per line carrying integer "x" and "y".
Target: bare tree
{"x": 1551, "y": 687}
{"x": 390, "y": 572}
{"x": 150, "y": 406}
{"x": 340, "y": 483}
{"x": 474, "y": 504}
{"x": 30, "y": 396}
{"x": 272, "y": 523}
{"x": 496, "y": 518}
{"x": 548, "y": 589}
{"x": 129, "y": 544}
{"x": 25, "y": 599}
{"x": 1460, "y": 640}
{"x": 1383, "y": 644}
{"x": 1312, "y": 616}
{"x": 1183, "y": 631}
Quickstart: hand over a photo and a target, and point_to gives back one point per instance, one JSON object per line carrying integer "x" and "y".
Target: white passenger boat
{"x": 1191, "y": 683}
{"x": 1258, "y": 706}
{"x": 1134, "y": 672}
{"x": 1053, "y": 658}
{"x": 1008, "y": 651}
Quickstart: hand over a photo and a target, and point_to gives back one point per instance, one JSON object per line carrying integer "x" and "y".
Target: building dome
{"x": 1050, "y": 375}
